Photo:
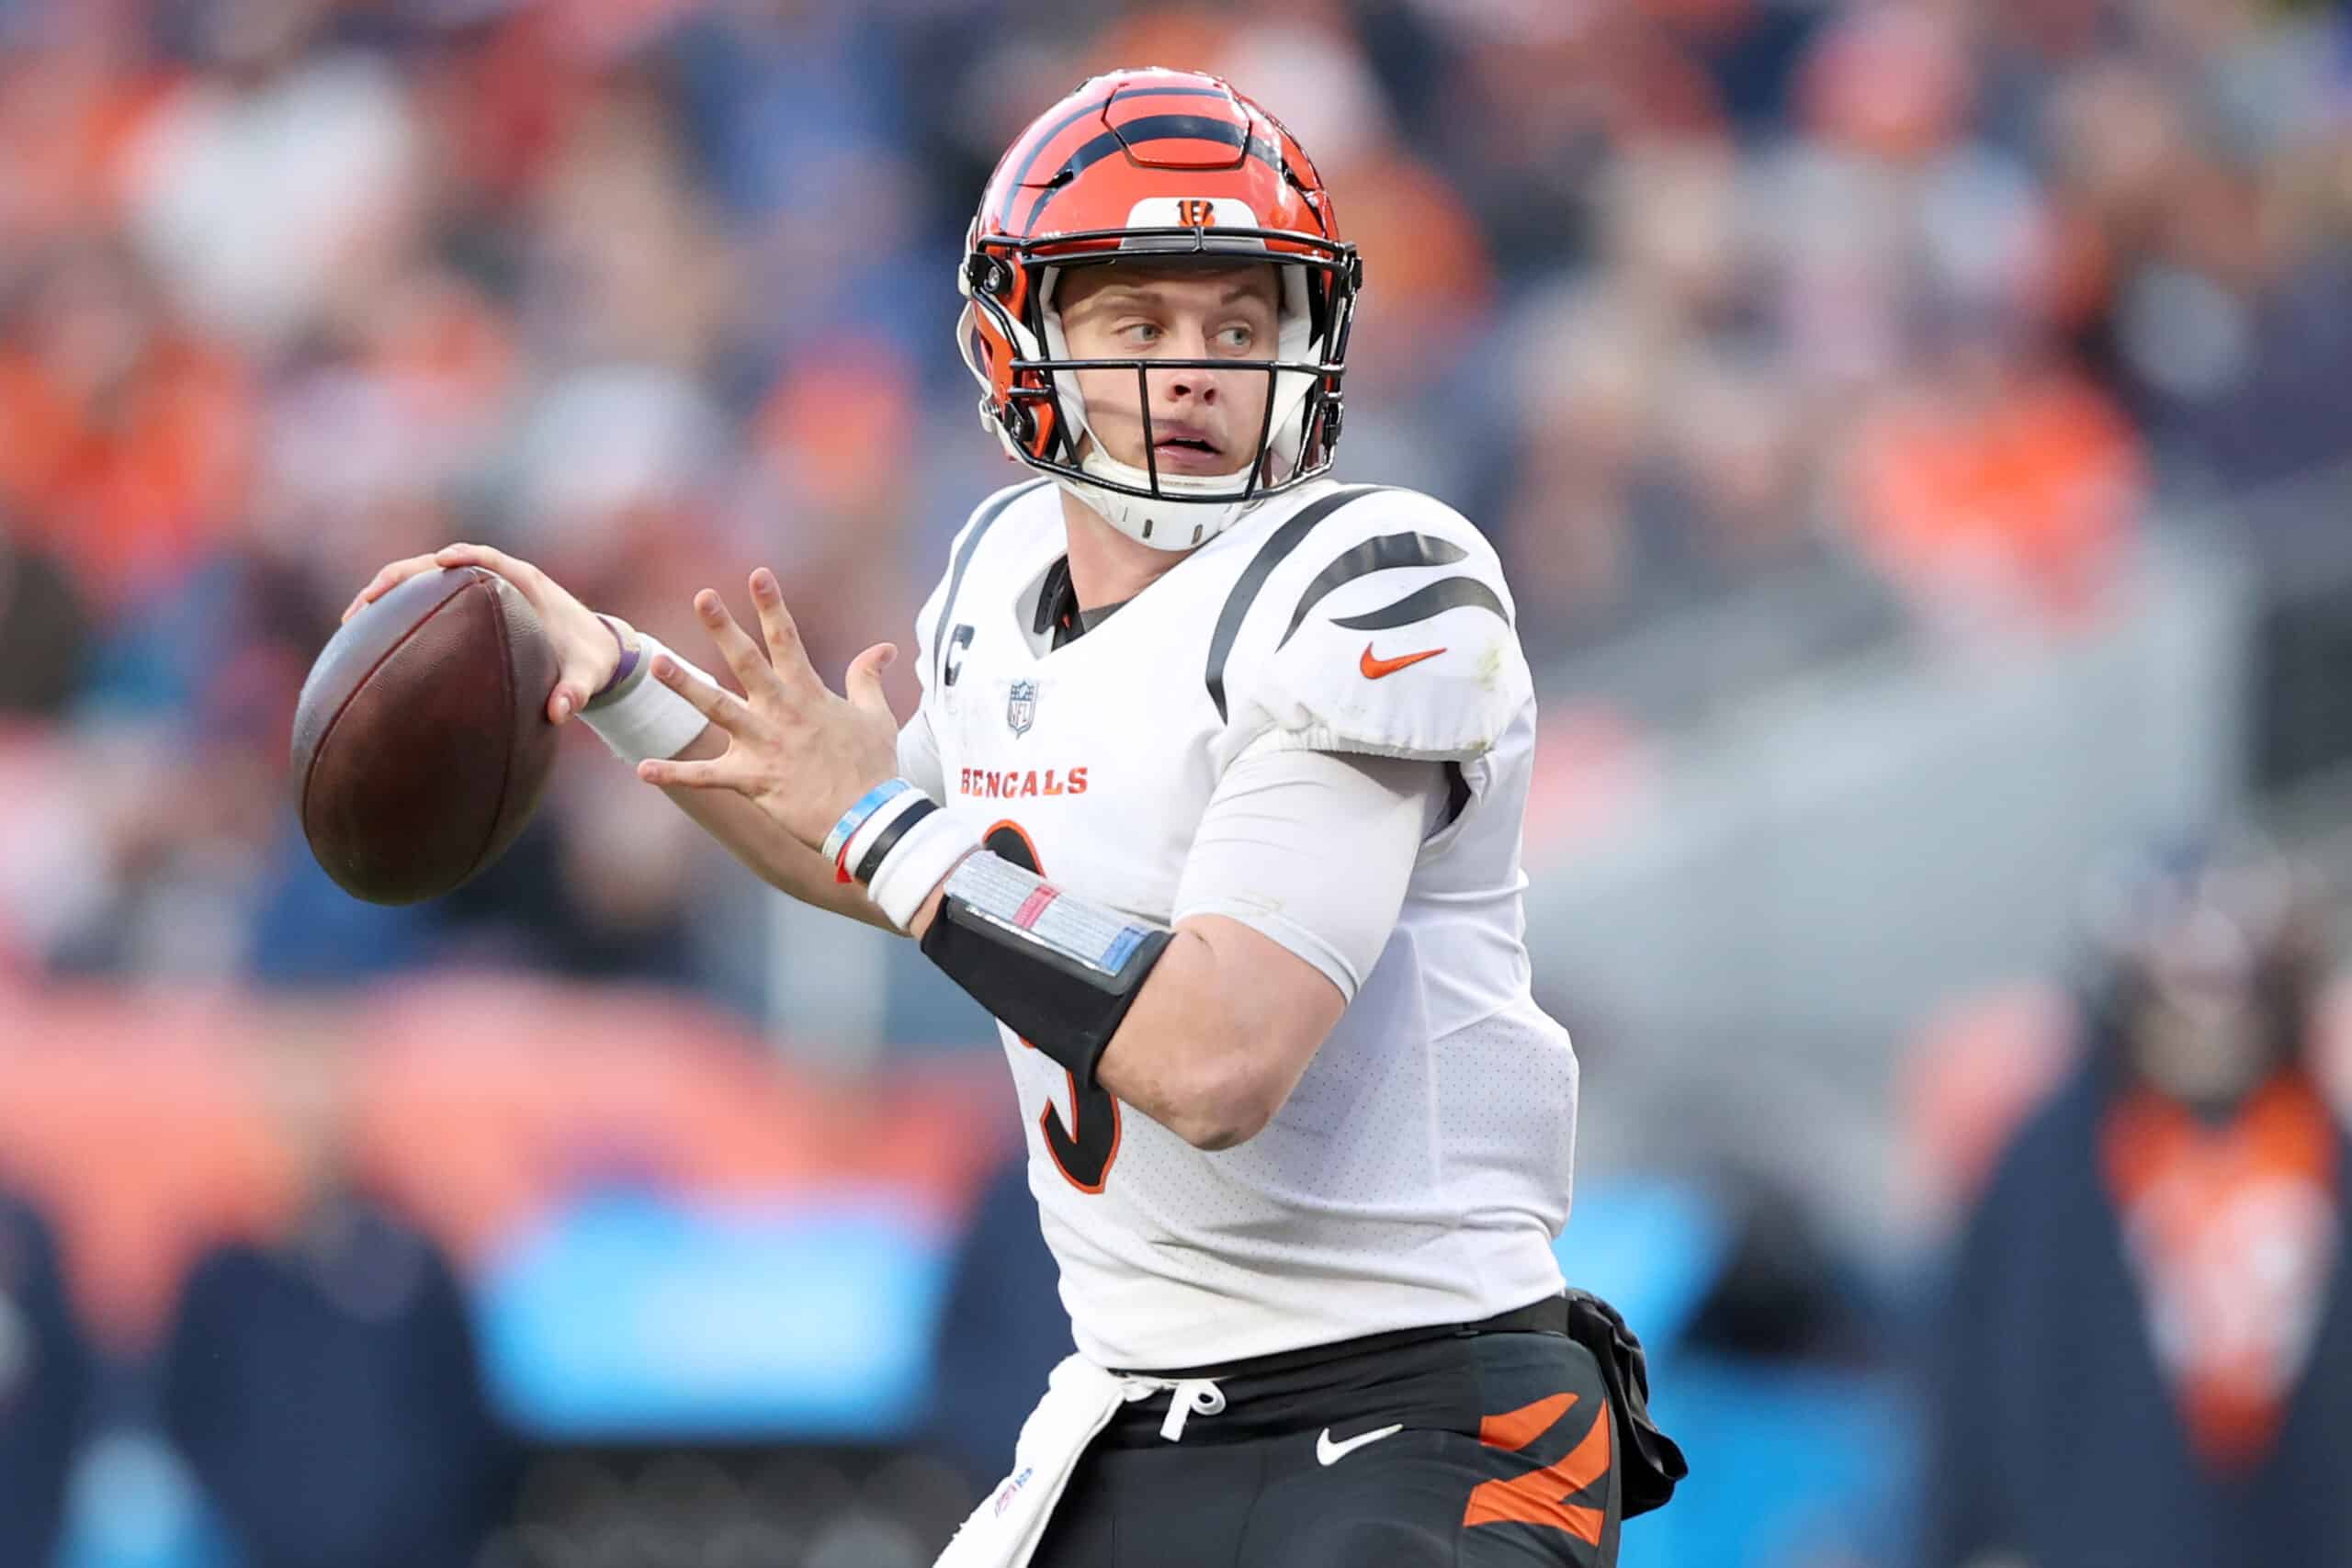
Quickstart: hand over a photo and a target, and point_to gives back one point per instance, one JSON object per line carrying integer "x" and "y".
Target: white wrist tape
{"x": 641, "y": 718}
{"x": 919, "y": 863}
{"x": 870, "y": 833}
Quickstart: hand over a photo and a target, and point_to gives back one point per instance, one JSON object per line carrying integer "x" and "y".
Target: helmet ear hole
{"x": 987, "y": 274}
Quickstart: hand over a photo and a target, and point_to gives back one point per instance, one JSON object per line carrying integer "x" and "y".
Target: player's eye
{"x": 1141, "y": 332}
{"x": 1237, "y": 336}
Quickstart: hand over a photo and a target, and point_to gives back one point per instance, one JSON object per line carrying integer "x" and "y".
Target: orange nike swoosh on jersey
{"x": 1374, "y": 669}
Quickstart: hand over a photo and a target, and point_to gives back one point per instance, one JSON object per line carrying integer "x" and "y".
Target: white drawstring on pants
{"x": 1080, "y": 1400}
{"x": 1187, "y": 1397}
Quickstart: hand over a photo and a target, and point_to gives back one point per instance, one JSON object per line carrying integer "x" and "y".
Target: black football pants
{"x": 1504, "y": 1456}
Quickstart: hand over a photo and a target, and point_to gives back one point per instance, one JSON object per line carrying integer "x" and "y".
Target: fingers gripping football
{"x": 794, "y": 748}
{"x": 586, "y": 652}
{"x": 385, "y": 581}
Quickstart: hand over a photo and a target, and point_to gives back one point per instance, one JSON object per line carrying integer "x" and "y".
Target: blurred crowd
{"x": 1920, "y": 302}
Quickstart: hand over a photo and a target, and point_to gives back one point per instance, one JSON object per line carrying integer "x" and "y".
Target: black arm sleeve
{"x": 1065, "y": 1007}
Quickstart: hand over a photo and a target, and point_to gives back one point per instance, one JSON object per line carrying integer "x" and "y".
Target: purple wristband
{"x": 628, "y": 663}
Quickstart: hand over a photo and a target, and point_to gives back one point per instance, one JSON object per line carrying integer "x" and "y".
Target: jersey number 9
{"x": 1084, "y": 1147}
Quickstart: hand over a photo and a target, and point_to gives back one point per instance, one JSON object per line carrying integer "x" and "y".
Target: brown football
{"x": 421, "y": 740}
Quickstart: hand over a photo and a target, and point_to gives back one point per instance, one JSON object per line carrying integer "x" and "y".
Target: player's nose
{"x": 1186, "y": 387}
{"x": 1187, "y": 383}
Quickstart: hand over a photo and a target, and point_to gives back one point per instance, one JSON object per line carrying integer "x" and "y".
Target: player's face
{"x": 1204, "y": 422}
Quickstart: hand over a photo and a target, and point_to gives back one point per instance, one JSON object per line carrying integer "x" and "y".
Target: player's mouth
{"x": 1180, "y": 448}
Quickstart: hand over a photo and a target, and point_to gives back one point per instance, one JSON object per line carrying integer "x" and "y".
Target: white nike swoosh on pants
{"x": 1329, "y": 1454}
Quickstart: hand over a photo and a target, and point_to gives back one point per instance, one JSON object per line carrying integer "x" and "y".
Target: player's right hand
{"x": 587, "y": 653}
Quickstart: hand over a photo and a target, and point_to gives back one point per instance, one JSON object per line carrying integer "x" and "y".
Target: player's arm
{"x": 1220, "y": 1034}
{"x": 1295, "y": 877}
{"x": 1297, "y": 873}
{"x": 1289, "y": 895}
{"x": 1229, "y": 1026}
{"x": 1398, "y": 657}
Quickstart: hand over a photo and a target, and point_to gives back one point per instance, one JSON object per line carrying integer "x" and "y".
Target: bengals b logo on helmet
{"x": 1195, "y": 212}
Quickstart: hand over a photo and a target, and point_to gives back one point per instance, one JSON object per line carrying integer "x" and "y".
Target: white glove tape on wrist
{"x": 861, "y": 844}
{"x": 641, "y": 718}
{"x": 919, "y": 863}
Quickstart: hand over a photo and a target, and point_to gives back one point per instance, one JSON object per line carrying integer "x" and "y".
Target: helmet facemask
{"x": 1032, "y": 401}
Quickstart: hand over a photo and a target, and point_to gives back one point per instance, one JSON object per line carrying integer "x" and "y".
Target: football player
{"x": 1213, "y": 799}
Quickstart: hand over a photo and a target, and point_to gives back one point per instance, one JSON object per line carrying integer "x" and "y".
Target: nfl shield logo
{"x": 1021, "y": 710}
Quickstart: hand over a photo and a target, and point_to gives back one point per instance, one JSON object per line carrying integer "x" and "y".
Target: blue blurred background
{"x": 1917, "y": 434}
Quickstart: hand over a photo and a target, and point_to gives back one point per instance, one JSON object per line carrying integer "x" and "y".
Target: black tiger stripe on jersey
{"x": 1374, "y": 554}
{"x": 980, "y": 525}
{"x": 1447, "y": 593}
{"x": 1278, "y": 546}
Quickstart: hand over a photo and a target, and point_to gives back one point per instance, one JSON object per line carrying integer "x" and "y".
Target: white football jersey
{"x": 1419, "y": 1173}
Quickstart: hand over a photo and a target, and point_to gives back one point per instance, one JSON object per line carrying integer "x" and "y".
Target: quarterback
{"x": 1213, "y": 799}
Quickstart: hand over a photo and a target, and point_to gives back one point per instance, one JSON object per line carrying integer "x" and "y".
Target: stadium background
{"x": 1915, "y": 431}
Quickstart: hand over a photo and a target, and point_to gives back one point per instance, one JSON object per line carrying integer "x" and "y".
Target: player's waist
{"x": 1548, "y": 1315}
{"x": 1421, "y": 1378}
{"x": 1280, "y": 1279}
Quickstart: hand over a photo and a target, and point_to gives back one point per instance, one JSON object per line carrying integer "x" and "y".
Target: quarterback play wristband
{"x": 640, "y": 718}
{"x": 1059, "y": 972}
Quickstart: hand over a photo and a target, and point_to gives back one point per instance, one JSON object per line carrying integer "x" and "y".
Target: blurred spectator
{"x": 45, "y": 1387}
{"x": 2147, "y": 1351}
{"x": 128, "y": 431}
{"x": 274, "y": 190}
{"x": 326, "y": 1385}
{"x": 1997, "y": 488}
{"x": 45, "y": 630}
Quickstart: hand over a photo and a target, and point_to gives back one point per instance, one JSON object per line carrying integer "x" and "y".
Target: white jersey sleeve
{"x": 1388, "y": 631}
{"x": 1313, "y": 851}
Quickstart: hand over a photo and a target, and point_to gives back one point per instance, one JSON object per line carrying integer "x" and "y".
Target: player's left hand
{"x": 797, "y": 751}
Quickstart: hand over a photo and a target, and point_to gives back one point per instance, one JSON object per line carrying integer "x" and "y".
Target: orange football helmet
{"x": 1169, "y": 165}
